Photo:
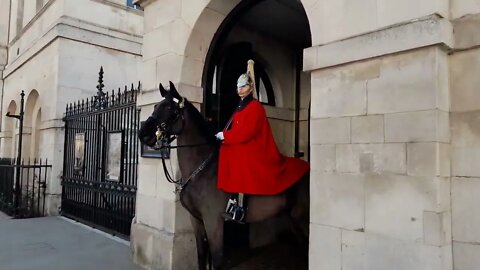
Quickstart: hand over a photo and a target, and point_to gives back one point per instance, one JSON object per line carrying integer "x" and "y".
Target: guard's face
{"x": 243, "y": 90}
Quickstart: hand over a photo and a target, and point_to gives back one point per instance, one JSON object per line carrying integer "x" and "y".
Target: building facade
{"x": 380, "y": 96}
{"x": 53, "y": 50}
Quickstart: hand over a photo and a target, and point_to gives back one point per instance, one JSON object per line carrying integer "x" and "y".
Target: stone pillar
{"x": 162, "y": 236}
{"x": 380, "y": 145}
{"x": 177, "y": 36}
{"x": 465, "y": 126}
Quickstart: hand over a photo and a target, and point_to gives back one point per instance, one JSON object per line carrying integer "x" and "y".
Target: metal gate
{"x": 99, "y": 181}
{"x": 22, "y": 187}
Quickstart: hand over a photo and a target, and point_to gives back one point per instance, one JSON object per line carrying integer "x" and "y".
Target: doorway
{"x": 273, "y": 33}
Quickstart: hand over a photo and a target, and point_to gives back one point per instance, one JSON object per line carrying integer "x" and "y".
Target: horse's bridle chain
{"x": 200, "y": 168}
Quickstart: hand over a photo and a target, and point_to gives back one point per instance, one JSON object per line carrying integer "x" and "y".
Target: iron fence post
{"x": 18, "y": 188}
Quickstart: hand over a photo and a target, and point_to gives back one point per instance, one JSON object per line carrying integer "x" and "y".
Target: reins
{"x": 165, "y": 141}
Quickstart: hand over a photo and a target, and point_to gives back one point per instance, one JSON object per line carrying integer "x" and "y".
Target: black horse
{"x": 176, "y": 118}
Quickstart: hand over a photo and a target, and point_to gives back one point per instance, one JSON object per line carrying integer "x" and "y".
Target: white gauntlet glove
{"x": 219, "y": 136}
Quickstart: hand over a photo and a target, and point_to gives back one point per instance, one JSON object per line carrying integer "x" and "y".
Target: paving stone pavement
{"x": 54, "y": 243}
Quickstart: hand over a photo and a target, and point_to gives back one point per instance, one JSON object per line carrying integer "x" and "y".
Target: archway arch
{"x": 31, "y": 108}
{"x": 278, "y": 31}
{"x": 9, "y": 126}
{"x": 36, "y": 134}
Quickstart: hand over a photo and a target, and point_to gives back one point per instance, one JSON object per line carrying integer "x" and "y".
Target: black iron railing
{"x": 25, "y": 198}
{"x": 99, "y": 180}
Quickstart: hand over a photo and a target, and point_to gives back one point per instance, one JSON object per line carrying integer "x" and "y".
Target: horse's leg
{"x": 202, "y": 243}
{"x": 214, "y": 229}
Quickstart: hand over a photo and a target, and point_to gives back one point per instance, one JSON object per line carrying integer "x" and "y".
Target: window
{"x": 264, "y": 86}
{"x": 132, "y": 5}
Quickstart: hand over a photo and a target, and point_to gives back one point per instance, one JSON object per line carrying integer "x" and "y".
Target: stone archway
{"x": 178, "y": 37}
{"x": 9, "y": 126}
{"x": 31, "y": 109}
{"x": 212, "y": 30}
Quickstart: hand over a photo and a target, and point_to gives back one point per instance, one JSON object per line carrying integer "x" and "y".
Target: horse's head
{"x": 166, "y": 120}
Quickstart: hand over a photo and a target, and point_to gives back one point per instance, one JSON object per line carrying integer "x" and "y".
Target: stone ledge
{"x": 80, "y": 31}
{"x": 418, "y": 33}
{"x": 467, "y": 32}
{"x": 3, "y": 56}
{"x": 6, "y": 135}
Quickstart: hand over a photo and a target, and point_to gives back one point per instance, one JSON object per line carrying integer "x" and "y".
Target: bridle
{"x": 165, "y": 136}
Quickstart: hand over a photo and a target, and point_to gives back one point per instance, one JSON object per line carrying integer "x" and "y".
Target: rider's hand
{"x": 219, "y": 136}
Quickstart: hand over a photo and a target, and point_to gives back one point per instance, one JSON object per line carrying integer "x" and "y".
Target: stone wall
{"x": 465, "y": 127}
{"x": 380, "y": 178}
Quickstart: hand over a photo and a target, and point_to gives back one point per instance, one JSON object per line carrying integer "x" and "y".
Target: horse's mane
{"x": 202, "y": 125}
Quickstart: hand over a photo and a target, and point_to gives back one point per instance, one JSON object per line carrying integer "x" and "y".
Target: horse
{"x": 197, "y": 150}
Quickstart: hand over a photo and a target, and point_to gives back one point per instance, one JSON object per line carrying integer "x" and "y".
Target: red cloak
{"x": 249, "y": 159}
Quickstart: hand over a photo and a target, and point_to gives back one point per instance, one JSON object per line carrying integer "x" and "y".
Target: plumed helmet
{"x": 248, "y": 78}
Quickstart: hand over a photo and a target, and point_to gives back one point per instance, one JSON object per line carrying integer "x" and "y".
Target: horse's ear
{"x": 174, "y": 92}
{"x": 163, "y": 92}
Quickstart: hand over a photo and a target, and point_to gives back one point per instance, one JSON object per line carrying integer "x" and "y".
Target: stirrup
{"x": 237, "y": 215}
{"x": 231, "y": 204}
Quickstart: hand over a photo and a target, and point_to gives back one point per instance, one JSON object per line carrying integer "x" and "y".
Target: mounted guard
{"x": 249, "y": 161}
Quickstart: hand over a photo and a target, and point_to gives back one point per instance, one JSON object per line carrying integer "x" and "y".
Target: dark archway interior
{"x": 266, "y": 31}
{"x": 282, "y": 21}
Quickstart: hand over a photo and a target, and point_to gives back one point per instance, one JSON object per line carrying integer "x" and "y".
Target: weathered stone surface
{"x": 326, "y": 16}
{"x": 141, "y": 243}
{"x": 404, "y": 37}
{"x": 410, "y": 82}
{"x": 466, "y": 255}
{"x": 466, "y": 31}
{"x": 344, "y": 99}
{"x": 409, "y": 196}
{"x": 156, "y": 249}
{"x": 354, "y": 250}
{"x": 383, "y": 158}
{"x": 465, "y": 143}
{"x": 367, "y": 251}
{"x": 323, "y": 158}
{"x": 330, "y": 130}
{"x": 437, "y": 228}
{"x": 391, "y": 12}
{"x": 337, "y": 200}
{"x": 151, "y": 47}
{"x": 460, "y": 8}
{"x": 367, "y": 129}
{"x": 29, "y": 10}
{"x": 325, "y": 248}
{"x": 464, "y": 92}
{"x": 465, "y": 201}
{"x": 383, "y": 252}
{"x": 150, "y": 211}
{"x": 160, "y": 13}
{"x": 169, "y": 68}
{"x": 147, "y": 172}
{"x": 428, "y": 159}
{"x": 421, "y": 126}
